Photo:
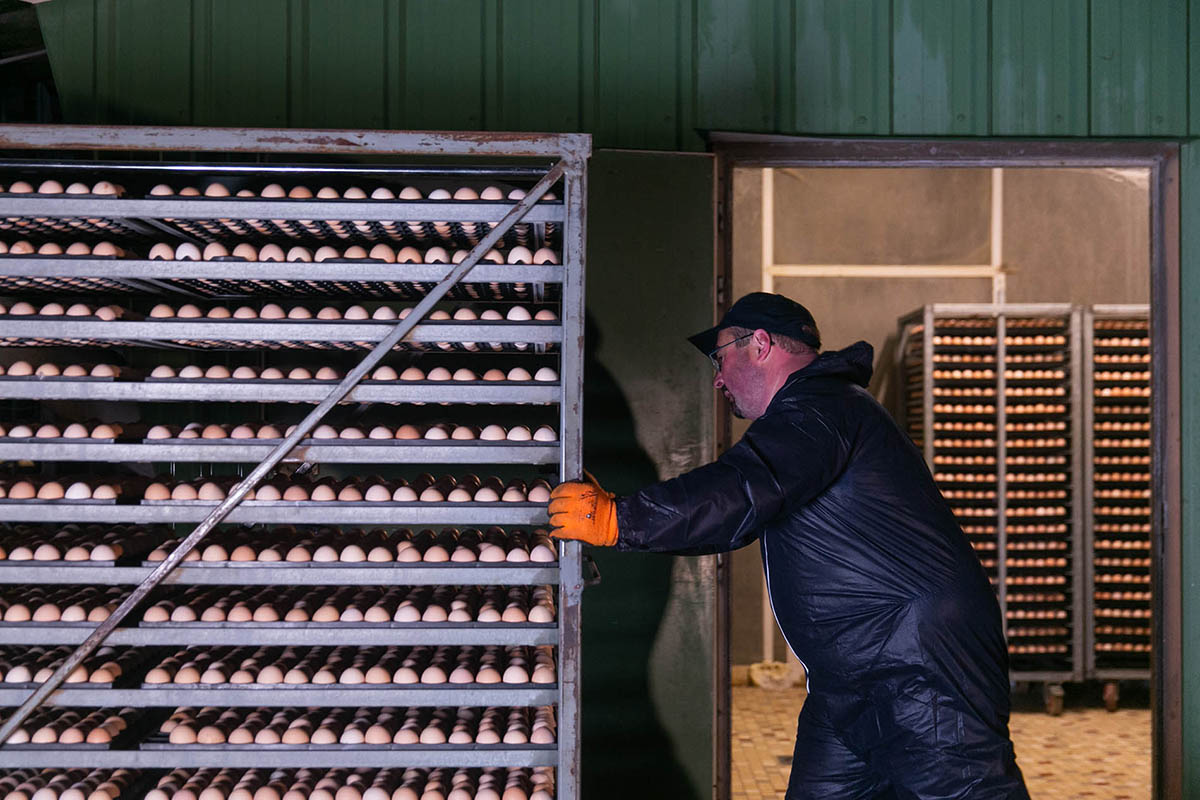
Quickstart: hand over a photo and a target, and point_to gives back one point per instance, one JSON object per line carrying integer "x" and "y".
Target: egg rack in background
{"x": 1119, "y": 481}
{"x": 139, "y": 219}
{"x": 992, "y": 397}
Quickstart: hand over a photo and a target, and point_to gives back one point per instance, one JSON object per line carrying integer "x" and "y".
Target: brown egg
{"x": 98, "y": 371}
{"x": 162, "y": 311}
{"x": 213, "y": 432}
{"x": 294, "y": 493}
{"x": 45, "y": 431}
{"x": 184, "y": 491}
{"x": 46, "y": 612}
{"x": 245, "y": 251}
{"x": 323, "y": 494}
{"x": 189, "y": 311}
{"x": 384, "y": 313}
{"x": 218, "y": 312}
{"x": 384, "y": 374}
{"x": 377, "y": 493}
{"x": 272, "y": 311}
{"x": 51, "y": 490}
{"x": 299, "y": 254}
{"x": 162, "y": 252}
{"x": 162, "y": 371}
{"x": 271, "y": 252}
{"x": 103, "y": 431}
{"x": 157, "y": 491}
{"x": 245, "y": 312}
{"x": 267, "y": 492}
{"x": 214, "y": 250}
{"x": 244, "y": 373}
{"x": 519, "y": 374}
{"x": 545, "y": 315}
{"x": 269, "y": 432}
{"x": 210, "y": 491}
{"x": 299, "y": 374}
{"x": 22, "y": 309}
{"x": 17, "y": 612}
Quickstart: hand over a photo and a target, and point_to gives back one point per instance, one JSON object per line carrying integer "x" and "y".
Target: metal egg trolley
{"x": 543, "y": 178}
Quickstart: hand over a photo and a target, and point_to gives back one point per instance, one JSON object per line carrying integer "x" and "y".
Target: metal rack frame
{"x": 927, "y": 316}
{"x": 1090, "y": 315}
{"x": 571, "y": 152}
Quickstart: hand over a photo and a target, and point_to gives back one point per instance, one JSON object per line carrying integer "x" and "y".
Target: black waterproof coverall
{"x": 873, "y": 583}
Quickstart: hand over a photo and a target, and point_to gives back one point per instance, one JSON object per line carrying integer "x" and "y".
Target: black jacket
{"x": 869, "y": 574}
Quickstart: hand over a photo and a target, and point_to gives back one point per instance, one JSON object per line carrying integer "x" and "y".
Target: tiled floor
{"x": 1086, "y": 752}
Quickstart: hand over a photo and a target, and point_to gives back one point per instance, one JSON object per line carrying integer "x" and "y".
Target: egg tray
{"x": 140, "y": 725}
{"x": 57, "y": 286}
{"x": 349, "y": 347}
{"x": 411, "y": 504}
{"x": 325, "y": 626}
{"x": 50, "y": 228}
{"x": 83, "y": 442}
{"x": 384, "y": 290}
{"x": 332, "y": 382}
{"x": 344, "y": 232}
{"x": 400, "y": 444}
{"x": 50, "y": 378}
{"x": 129, "y": 680}
{"x": 62, "y": 501}
{"x": 11, "y": 564}
{"x": 432, "y": 566}
{"x": 13, "y": 341}
{"x": 159, "y": 741}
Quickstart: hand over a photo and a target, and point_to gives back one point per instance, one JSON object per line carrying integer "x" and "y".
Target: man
{"x": 872, "y": 581}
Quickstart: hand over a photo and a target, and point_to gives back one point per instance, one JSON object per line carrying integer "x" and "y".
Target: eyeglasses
{"x": 712, "y": 356}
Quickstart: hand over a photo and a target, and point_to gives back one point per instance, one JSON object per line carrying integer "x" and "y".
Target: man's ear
{"x": 762, "y": 341}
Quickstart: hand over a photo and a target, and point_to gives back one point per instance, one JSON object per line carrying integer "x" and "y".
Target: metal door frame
{"x": 1161, "y": 159}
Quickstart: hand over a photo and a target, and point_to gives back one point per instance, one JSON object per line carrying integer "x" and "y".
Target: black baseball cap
{"x": 773, "y": 313}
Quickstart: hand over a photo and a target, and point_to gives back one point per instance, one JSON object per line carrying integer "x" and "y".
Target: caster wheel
{"x": 1052, "y": 694}
{"x": 1112, "y": 695}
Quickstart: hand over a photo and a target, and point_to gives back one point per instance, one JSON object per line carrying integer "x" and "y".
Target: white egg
{"x": 187, "y": 252}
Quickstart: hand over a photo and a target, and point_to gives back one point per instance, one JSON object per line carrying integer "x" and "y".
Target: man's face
{"x": 738, "y": 378}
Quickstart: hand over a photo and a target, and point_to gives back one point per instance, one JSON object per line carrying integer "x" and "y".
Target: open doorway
{"x": 989, "y": 248}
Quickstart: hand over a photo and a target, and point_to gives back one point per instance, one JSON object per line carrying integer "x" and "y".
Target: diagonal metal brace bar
{"x": 239, "y": 492}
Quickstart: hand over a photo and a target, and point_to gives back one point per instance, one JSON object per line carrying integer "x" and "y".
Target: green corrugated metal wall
{"x": 647, "y": 74}
{"x": 637, "y": 74}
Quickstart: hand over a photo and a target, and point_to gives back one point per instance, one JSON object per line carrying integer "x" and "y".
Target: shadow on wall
{"x": 626, "y": 751}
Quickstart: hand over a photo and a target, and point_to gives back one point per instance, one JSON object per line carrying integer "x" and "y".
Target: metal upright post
{"x": 927, "y": 384}
{"x": 1081, "y": 540}
{"x": 571, "y": 422}
{"x": 1002, "y": 465}
{"x": 1086, "y": 492}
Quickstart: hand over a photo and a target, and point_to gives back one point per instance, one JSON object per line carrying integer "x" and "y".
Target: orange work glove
{"x": 582, "y": 510}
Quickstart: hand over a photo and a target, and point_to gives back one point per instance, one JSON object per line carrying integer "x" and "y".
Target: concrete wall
{"x": 1070, "y": 235}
